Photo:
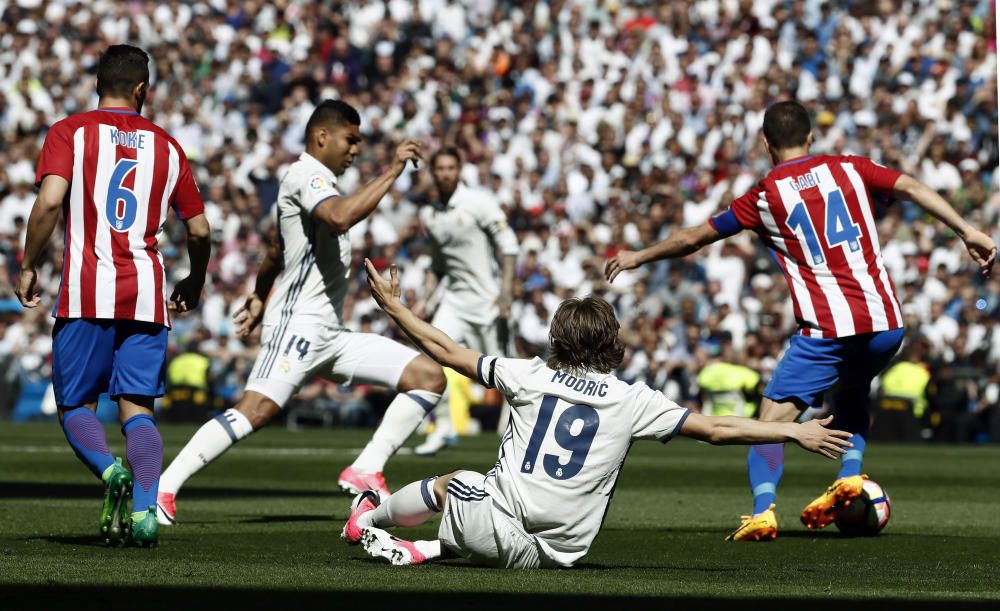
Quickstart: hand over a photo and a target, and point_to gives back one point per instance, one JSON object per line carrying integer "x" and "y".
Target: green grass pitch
{"x": 260, "y": 528}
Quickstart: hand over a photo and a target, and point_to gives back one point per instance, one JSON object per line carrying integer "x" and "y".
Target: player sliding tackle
{"x": 572, "y": 422}
{"x": 303, "y": 334}
{"x": 815, "y": 214}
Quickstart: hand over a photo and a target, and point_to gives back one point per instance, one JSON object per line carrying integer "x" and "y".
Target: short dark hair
{"x": 120, "y": 69}
{"x": 584, "y": 336}
{"x": 332, "y": 112}
{"x": 447, "y": 151}
{"x": 786, "y": 124}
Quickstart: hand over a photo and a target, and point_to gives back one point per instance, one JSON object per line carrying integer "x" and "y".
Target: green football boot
{"x": 142, "y": 532}
{"x": 114, "y": 514}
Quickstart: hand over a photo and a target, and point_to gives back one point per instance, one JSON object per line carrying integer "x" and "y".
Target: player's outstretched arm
{"x": 41, "y": 223}
{"x": 812, "y": 435}
{"x": 342, "y": 213}
{"x": 679, "y": 244}
{"x": 981, "y": 247}
{"x": 434, "y": 342}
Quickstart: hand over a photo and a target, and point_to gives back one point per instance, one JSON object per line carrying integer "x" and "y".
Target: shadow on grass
{"x": 121, "y": 597}
{"x": 30, "y": 490}
{"x": 81, "y": 540}
{"x": 280, "y": 519}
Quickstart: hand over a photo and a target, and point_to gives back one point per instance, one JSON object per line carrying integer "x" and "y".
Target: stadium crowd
{"x": 601, "y": 125}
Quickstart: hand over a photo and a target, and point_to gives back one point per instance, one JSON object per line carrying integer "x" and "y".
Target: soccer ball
{"x": 868, "y": 514}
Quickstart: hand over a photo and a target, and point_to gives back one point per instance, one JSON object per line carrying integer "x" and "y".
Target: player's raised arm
{"x": 344, "y": 212}
{"x": 812, "y": 435}
{"x": 432, "y": 341}
{"x": 41, "y": 223}
{"x": 679, "y": 244}
{"x": 981, "y": 247}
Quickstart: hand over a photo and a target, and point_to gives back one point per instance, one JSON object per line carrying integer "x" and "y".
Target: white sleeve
{"x": 316, "y": 190}
{"x": 501, "y": 374}
{"x": 655, "y": 416}
{"x": 491, "y": 219}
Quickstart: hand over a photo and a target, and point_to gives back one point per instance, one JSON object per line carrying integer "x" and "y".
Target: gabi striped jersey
{"x": 124, "y": 173}
{"x": 815, "y": 214}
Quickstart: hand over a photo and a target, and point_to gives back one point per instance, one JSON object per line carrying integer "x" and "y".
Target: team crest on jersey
{"x": 318, "y": 183}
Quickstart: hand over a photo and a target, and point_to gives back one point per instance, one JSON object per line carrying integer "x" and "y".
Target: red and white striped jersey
{"x": 124, "y": 172}
{"x": 815, "y": 214}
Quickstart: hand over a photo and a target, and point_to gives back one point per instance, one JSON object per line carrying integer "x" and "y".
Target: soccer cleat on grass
{"x": 114, "y": 513}
{"x": 166, "y": 509}
{"x": 362, "y": 504}
{"x": 434, "y": 443}
{"x": 841, "y": 493}
{"x": 355, "y": 482}
{"x": 763, "y": 527}
{"x": 143, "y": 530}
{"x": 399, "y": 552}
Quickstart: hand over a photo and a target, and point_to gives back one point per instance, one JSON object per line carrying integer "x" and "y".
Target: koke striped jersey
{"x": 815, "y": 214}
{"x": 124, "y": 172}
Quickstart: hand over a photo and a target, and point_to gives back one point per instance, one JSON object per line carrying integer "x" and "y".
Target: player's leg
{"x": 807, "y": 370}
{"x": 372, "y": 359}
{"x": 138, "y": 377}
{"x": 869, "y": 355}
{"x": 461, "y": 331}
{"x": 82, "y": 359}
{"x": 284, "y": 361}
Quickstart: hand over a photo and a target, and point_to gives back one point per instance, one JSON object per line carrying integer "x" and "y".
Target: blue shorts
{"x": 812, "y": 365}
{"x": 94, "y": 356}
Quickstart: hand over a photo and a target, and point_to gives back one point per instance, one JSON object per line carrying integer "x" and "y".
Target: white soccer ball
{"x": 868, "y": 514}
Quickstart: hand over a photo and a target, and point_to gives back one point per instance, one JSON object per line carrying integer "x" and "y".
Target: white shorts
{"x": 482, "y": 338}
{"x": 290, "y": 358}
{"x": 473, "y": 527}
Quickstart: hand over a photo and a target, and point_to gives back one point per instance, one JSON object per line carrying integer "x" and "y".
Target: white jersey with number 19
{"x": 564, "y": 448}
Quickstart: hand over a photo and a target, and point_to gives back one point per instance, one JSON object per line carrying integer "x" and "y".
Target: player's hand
{"x": 408, "y": 150}
{"x": 983, "y": 251}
{"x": 625, "y": 259}
{"x": 815, "y": 437}
{"x": 27, "y": 289}
{"x": 249, "y": 316}
{"x": 385, "y": 292}
{"x": 186, "y": 295}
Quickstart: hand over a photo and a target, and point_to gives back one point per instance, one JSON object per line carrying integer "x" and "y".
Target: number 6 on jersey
{"x": 574, "y": 431}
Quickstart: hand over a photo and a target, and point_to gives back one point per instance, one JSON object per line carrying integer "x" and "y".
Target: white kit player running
{"x": 468, "y": 229}
{"x": 303, "y": 335}
{"x": 572, "y": 423}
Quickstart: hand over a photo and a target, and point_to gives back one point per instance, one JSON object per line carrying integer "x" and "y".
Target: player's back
{"x": 124, "y": 174}
{"x": 567, "y": 440}
{"x": 816, "y": 215}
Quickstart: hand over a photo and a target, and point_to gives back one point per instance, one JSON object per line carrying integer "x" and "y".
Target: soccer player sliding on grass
{"x": 571, "y": 425}
{"x": 815, "y": 214}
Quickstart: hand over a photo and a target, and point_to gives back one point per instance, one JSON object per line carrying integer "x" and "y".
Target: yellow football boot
{"x": 763, "y": 527}
{"x": 841, "y": 493}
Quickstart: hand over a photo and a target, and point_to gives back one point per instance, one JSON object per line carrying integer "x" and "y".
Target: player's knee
{"x": 257, "y": 408}
{"x": 441, "y": 488}
{"x": 423, "y": 374}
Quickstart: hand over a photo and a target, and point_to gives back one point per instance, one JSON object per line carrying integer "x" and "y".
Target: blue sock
{"x": 144, "y": 449}
{"x": 765, "y": 464}
{"x": 86, "y": 436}
{"x": 850, "y": 463}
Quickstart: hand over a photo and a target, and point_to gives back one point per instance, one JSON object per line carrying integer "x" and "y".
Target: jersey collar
{"x": 307, "y": 158}
{"x": 119, "y": 110}
{"x": 794, "y": 160}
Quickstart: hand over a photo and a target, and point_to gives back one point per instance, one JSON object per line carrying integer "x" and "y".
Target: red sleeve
{"x": 878, "y": 178}
{"x": 57, "y": 154}
{"x": 187, "y": 199}
{"x": 745, "y": 208}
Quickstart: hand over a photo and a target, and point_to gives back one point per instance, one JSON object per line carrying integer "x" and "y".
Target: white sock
{"x": 442, "y": 415}
{"x": 411, "y": 505}
{"x": 208, "y": 443}
{"x": 430, "y": 549}
{"x": 401, "y": 419}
